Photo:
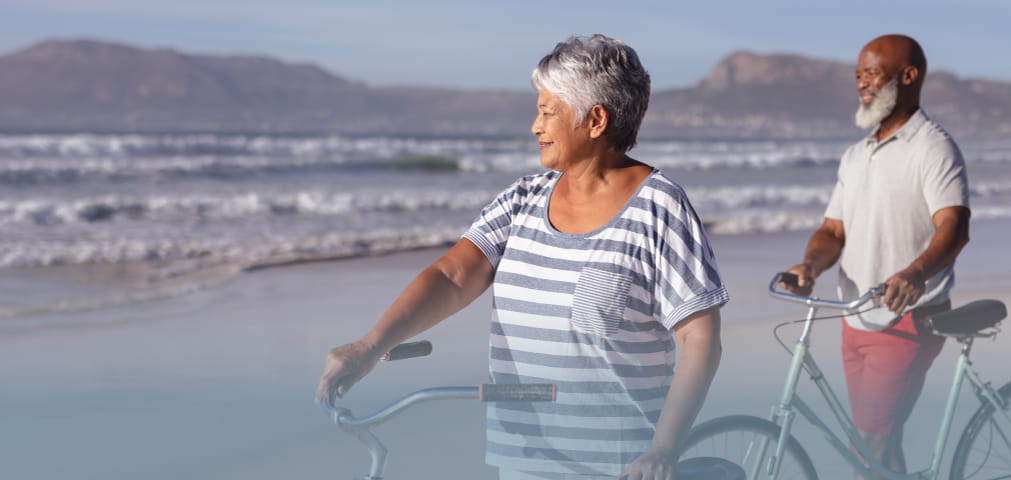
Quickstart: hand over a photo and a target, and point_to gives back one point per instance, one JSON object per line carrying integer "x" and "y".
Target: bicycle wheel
{"x": 738, "y": 438}
{"x": 983, "y": 451}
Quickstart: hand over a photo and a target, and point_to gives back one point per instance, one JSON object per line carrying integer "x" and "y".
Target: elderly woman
{"x": 600, "y": 268}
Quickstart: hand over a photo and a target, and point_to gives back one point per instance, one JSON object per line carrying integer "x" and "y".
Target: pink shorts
{"x": 885, "y": 370}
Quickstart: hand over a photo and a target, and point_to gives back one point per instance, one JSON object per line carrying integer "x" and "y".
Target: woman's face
{"x": 561, "y": 142}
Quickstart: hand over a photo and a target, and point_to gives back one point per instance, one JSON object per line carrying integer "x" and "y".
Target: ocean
{"x": 179, "y": 211}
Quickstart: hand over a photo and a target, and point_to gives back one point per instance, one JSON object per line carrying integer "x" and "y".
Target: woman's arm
{"x": 699, "y": 347}
{"x": 442, "y": 289}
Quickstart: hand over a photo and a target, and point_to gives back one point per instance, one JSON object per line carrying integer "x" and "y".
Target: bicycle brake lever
{"x": 879, "y": 290}
{"x": 338, "y": 413}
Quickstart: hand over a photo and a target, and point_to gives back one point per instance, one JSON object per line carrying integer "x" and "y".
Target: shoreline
{"x": 29, "y": 292}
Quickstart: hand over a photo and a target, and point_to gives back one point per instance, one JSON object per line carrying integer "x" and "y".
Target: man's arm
{"x": 950, "y": 235}
{"x": 699, "y": 351}
{"x": 823, "y": 250}
{"x": 442, "y": 289}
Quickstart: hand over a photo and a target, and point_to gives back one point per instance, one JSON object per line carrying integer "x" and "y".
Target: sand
{"x": 218, "y": 383}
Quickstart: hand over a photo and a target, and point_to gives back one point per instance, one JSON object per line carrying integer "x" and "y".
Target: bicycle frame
{"x": 784, "y": 413}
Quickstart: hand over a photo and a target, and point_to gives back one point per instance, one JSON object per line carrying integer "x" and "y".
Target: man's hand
{"x": 650, "y": 466}
{"x": 903, "y": 289}
{"x": 951, "y": 234}
{"x": 805, "y": 280}
{"x": 345, "y": 366}
{"x": 823, "y": 249}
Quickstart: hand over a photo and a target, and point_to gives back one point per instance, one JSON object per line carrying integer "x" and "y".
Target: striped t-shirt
{"x": 591, "y": 313}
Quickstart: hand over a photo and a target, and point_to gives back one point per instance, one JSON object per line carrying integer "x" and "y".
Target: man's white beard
{"x": 881, "y": 107}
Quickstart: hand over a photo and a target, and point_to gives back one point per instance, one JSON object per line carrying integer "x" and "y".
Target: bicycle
{"x": 698, "y": 468}
{"x": 984, "y": 447}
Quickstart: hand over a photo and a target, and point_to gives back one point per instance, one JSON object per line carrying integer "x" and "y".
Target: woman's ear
{"x": 598, "y": 119}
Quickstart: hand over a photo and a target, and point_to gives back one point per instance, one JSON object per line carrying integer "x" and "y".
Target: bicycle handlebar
{"x": 409, "y": 350}
{"x": 511, "y": 392}
{"x": 534, "y": 392}
{"x": 343, "y": 416}
{"x": 817, "y": 302}
{"x": 361, "y": 427}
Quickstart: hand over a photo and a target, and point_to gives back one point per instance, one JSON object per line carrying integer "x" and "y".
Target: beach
{"x": 218, "y": 382}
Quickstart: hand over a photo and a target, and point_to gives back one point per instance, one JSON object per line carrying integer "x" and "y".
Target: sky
{"x": 494, "y": 45}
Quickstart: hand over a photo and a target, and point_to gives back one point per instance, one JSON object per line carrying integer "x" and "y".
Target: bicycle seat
{"x": 968, "y": 319}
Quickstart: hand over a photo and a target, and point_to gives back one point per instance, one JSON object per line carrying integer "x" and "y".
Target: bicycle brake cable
{"x": 775, "y": 330}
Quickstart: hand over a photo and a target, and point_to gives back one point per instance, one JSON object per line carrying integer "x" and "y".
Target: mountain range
{"x": 90, "y": 85}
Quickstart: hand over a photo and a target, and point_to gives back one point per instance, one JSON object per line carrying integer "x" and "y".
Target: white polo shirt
{"x": 886, "y": 195}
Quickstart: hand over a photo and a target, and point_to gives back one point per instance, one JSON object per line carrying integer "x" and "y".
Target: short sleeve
{"x": 490, "y": 230}
{"x": 688, "y": 280}
{"x": 835, "y": 201}
{"x": 945, "y": 182}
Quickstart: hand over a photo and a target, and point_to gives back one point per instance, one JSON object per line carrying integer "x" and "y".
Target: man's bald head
{"x": 896, "y": 53}
{"x": 890, "y": 72}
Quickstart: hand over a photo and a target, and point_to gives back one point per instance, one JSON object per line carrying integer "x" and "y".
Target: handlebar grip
{"x": 409, "y": 350}
{"x": 512, "y": 392}
{"x": 790, "y": 279}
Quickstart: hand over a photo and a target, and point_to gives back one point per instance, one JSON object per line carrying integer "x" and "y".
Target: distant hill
{"x": 748, "y": 94}
{"x": 100, "y": 86}
{"x": 86, "y": 84}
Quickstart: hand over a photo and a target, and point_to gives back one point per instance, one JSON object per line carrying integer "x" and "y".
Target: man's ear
{"x": 910, "y": 75}
{"x": 598, "y": 118}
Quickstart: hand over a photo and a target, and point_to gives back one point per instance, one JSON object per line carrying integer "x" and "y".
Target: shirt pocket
{"x": 598, "y": 304}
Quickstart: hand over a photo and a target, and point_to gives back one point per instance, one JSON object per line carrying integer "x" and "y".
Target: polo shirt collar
{"x": 906, "y": 132}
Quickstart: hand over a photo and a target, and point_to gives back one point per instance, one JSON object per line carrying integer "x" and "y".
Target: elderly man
{"x": 901, "y": 210}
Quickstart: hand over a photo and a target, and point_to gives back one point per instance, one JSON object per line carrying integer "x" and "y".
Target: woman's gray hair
{"x": 598, "y": 70}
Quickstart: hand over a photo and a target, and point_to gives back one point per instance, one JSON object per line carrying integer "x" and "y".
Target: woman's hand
{"x": 345, "y": 366}
{"x": 651, "y": 465}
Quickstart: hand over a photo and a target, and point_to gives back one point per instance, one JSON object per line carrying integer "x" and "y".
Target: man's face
{"x": 874, "y": 71}
{"x": 877, "y": 87}
{"x": 877, "y": 104}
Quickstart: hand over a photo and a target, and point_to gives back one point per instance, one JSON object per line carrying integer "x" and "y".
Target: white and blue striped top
{"x": 590, "y": 313}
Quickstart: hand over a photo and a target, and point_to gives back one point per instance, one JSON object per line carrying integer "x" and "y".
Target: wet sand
{"x": 218, "y": 383}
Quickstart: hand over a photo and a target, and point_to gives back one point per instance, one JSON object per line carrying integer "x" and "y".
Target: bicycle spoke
{"x": 983, "y": 452}
{"x": 740, "y": 438}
